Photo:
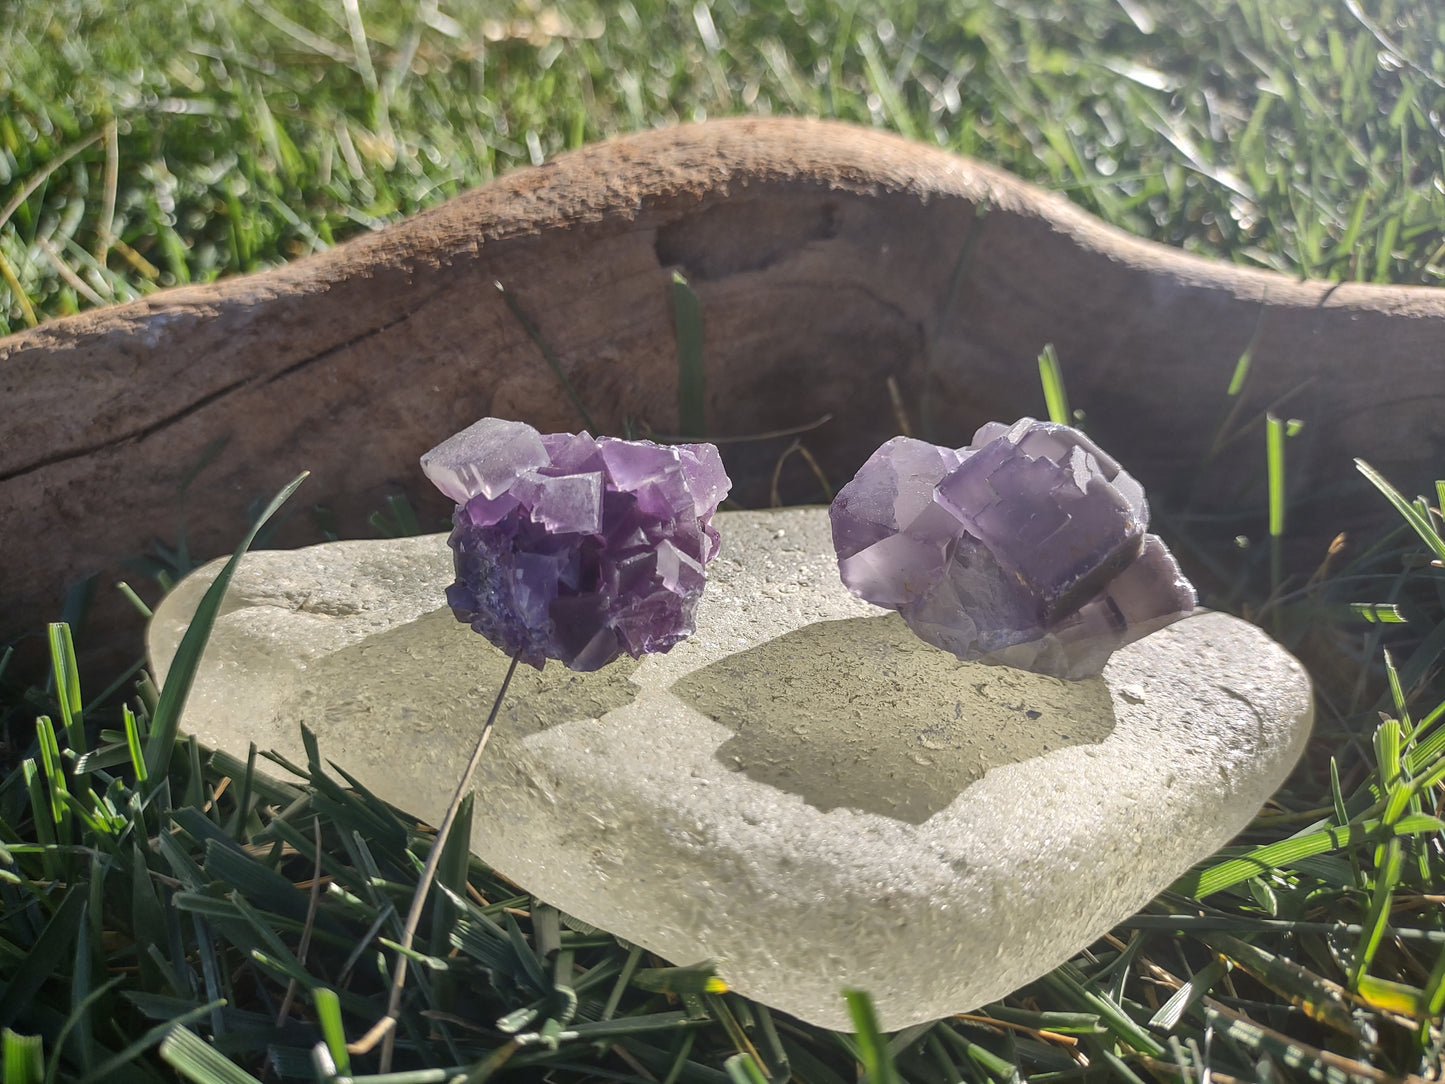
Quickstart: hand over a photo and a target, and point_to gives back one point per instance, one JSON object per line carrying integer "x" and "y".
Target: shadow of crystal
{"x": 431, "y": 683}
{"x": 860, "y": 713}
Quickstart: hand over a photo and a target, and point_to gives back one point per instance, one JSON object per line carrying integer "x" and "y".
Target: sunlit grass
{"x": 152, "y": 894}
{"x": 1279, "y": 133}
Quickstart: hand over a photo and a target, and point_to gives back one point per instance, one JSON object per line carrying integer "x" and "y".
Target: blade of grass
{"x": 884, "y": 86}
{"x": 22, "y": 1058}
{"x": 694, "y": 979}
{"x": 1387, "y": 876}
{"x": 166, "y": 721}
{"x": 190, "y": 1056}
{"x": 872, "y": 1043}
{"x": 1378, "y": 613}
{"x": 1319, "y": 998}
{"x": 778, "y": 1065}
{"x": 133, "y": 745}
{"x": 42, "y": 175}
{"x": 333, "y": 1031}
{"x": 55, "y": 783}
{"x": 1062, "y": 1023}
{"x": 452, "y": 875}
{"x": 1387, "y": 746}
{"x": 742, "y": 1069}
{"x": 1407, "y": 510}
{"x": 1434, "y": 991}
{"x": 397, "y": 520}
{"x": 1274, "y": 464}
{"x": 1051, "y": 374}
{"x": 1394, "y": 997}
{"x": 1188, "y": 995}
{"x": 40, "y": 818}
{"x": 982, "y": 1058}
{"x": 1123, "y": 1026}
{"x": 47, "y": 955}
{"x": 79, "y": 1013}
{"x": 1320, "y": 1065}
{"x": 67, "y": 684}
{"x": 1233, "y": 871}
{"x": 633, "y": 1025}
{"x": 624, "y": 979}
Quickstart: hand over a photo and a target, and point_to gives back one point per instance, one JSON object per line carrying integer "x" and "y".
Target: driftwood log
{"x": 827, "y": 258}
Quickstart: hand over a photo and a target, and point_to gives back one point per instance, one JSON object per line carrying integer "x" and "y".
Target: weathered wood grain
{"x": 828, "y": 258}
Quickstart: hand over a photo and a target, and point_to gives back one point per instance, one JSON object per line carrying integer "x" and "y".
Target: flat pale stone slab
{"x": 803, "y": 791}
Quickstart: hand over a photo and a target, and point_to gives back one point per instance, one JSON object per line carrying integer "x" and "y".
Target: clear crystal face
{"x": 485, "y": 458}
{"x": 573, "y": 548}
{"x": 1028, "y": 548}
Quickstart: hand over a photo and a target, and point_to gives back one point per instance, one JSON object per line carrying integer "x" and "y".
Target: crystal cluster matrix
{"x": 1027, "y": 548}
{"x": 577, "y": 548}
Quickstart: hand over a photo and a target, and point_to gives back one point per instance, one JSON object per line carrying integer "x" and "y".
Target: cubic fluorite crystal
{"x": 1026, "y": 548}
{"x": 574, "y": 548}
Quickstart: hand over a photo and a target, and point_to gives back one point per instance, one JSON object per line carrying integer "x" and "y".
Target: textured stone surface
{"x": 1026, "y": 548}
{"x": 573, "y": 548}
{"x": 803, "y": 790}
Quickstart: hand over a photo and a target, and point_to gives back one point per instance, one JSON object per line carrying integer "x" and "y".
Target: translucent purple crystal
{"x": 574, "y": 548}
{"x": 1027, "y": 548}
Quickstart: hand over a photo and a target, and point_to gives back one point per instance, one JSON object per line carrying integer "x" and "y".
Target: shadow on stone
{"x": 860, "y": 713}
{"x": 392, "y": 682}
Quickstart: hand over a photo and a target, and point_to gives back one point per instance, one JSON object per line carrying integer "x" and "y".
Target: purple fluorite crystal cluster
{"x": 1026, "y": 548}
{"x": 574, "y": 548}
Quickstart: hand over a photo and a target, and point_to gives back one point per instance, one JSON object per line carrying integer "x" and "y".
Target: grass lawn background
{"x": 247, "y": 132}
{"x": 153, "y": 925}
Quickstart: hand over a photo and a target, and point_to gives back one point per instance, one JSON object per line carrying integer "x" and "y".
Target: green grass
{"x": 151, "y": 143}
{"x": 165, "y": 911}
{"x": 144, "y": 906}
